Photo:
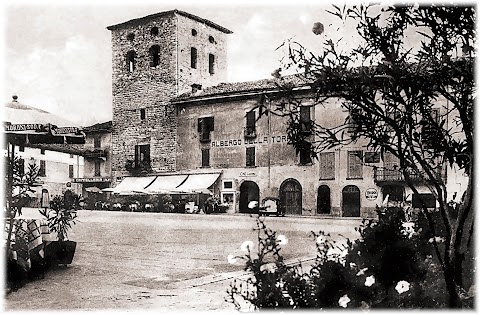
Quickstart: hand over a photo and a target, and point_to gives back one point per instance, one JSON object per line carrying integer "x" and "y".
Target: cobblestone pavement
{"x": 169, "y": 262}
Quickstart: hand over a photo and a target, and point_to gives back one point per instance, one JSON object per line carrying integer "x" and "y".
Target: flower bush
{"x": 391, "y": 265}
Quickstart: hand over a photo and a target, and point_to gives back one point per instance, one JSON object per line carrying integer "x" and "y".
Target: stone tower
{"x": 156, "y": 58}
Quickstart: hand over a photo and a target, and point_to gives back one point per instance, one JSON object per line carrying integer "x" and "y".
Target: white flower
{"x": 408, "y": 229}
{"x": 437, "y": 239}
{"x": 343, "y": 301}
{"x": 320, "y": 240}
{"x": 402, "y": 286}
{"x": 246, "y": 246}
{"x": 362, "y": 271}
{"x": 231, "y": 259}
{"x": 282, "y": 239}
{"x": 369, "y": 281}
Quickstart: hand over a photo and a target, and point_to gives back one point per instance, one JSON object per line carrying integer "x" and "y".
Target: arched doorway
{"x": 248, "y": 192}
{"x": 323, "y": 200}
{"x": 291, "y": 197}
{"x": 351, "y": 201}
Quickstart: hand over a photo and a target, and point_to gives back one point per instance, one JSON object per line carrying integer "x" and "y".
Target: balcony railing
{"x": 389, "y": 176}
{"x": 96, "y": 153}
{"x": 250, "y": 132}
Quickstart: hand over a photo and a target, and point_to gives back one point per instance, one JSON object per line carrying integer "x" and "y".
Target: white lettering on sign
{"x": 371, "y": 194}
{"x": 247, "y": 174}
{"x": 256, "y": 140}
{"x": 24, "y": 127}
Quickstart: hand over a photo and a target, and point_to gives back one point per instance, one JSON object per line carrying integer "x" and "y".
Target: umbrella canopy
{"x": 26, "y": 124}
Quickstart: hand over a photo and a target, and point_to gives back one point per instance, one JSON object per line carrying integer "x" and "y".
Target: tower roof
{"x": 165, "y": 13}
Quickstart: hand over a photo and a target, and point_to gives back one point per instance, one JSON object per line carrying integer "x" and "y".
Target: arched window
{"x": 130, "y": 59}
{"x": 154, "y": 56}
{"x": 154, "y": 31}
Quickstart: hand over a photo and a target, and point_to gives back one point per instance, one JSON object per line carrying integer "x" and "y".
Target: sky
{"x": 57, "y": 55}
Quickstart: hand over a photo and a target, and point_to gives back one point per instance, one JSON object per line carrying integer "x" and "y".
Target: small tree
{"x": 388, "y": 90}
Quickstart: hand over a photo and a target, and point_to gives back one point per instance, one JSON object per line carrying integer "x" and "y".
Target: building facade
{"x": 58, "y": 166}
{"x": 97, "y": 157}
{"x": 173, "y": 114}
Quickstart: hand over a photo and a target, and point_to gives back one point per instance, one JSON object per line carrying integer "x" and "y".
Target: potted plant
{"x": 60, "y": 217}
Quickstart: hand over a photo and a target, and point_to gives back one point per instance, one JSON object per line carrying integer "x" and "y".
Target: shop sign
{"x": 371, "y": 194}
{"x": 91, "y": 180}
{"x": 247, "y": 174}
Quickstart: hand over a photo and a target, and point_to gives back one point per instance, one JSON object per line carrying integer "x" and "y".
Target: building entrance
{"x": 291, "y": 197}
{"x": 351, "y": 201}
{"x": 248, "y": 192}
{"x": 323, "y": 200}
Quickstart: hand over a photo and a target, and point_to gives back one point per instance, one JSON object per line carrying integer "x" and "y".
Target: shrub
{"x": 392, "y": 264}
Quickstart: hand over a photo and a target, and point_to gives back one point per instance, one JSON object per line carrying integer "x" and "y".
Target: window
{"x": 250, "y": 156}
{"x": 394, "y": 192}
{"x": 327, "y": 165}
{"x": 227, "y": 184}
{"x": 305, "y": 119}
{"x": 250, "y": 124}
{"x": 430, "y": 132}
{"x": 154, "y": 31}
{"x": 96, "y": 141}
{"x": 130, "y": 59}
{"x": 354, "y": 120}
{"x": 70, "y": 171}
{"x": 42, "y": 151}
{"x": 21, "y": 148}
{"x": 372, "y": 157}
{"x": 142, "y": 114}
{"x": 205, "y": 157}
{"x": 96, "y": 171}
{"x": 211, "y": 64}
{"x": 194, "y": 32}
{"x": 418, "y": 200}
{"x": 21, "y": 166}
{"x": 355, "y": 165}
{"x": 154, "y": 56}
{"x": 193, "y": 57}
{"x": 305, "y": 157}
{"x": 142, "y": 155}
{"x": 42, "y": 169}
{"x": 205, "y": 126}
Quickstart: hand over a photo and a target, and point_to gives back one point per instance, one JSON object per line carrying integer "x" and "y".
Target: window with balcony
{"x": 205, "y": 126}
{"x": 250, "y": 157}
{"x": 327, "y": 165}
{"x": 142, "y": 155}
{"x": 250, "y": 128}
{"x": 205, "y": 157}
{"x": 96, "y": 171}
{"x": 355, "y": 165}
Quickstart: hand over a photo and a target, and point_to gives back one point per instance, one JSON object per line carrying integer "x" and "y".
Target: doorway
{"x": 351, "y": 201}
{"x": 249, "y": 191}
{"x": 323, "y": 200}
{"x": 291, "y": 197}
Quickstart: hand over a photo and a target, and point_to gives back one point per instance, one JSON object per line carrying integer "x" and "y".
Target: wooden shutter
{"x": 205, "y": 157}
{"x": 250, "y": 156}
{"x": 355, "y": 165}
{"x": 327, "y": 165}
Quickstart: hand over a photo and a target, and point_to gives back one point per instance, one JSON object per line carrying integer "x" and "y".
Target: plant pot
{"x": 60, "y": 252}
